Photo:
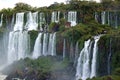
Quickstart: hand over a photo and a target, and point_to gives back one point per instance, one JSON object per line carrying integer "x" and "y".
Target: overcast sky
{"x": 34, "y": 3}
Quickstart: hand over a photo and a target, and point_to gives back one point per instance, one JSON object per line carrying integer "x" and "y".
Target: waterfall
{"x": 76, "y": 53}
{"x": 72, "y": 17}
{"x": 85, "y": 69}
{"x": 103, "y": 17}
{"x": 55, "y": 16}
{"x": 109, "y": 56}
{"x": 41, "y": 20}
{"x": 71, "y": 51}
{"x": 38, "y": 46}
{"x": 45, "y": 47}
{"x": 94, "y": 58}
{"x": 96, "y": 16}
{"x": 18, "y": 45}
{"x": 64, "y": 48}
{"x": 32, "y": 21}
{"x": 83, "y": 66}
{"x": 45, "y": 44}
{"x": 12, "y": 22}
{"x": 52, "y": 45}
{"x": 19, "y": 22}
{"x": 1, "y": 20}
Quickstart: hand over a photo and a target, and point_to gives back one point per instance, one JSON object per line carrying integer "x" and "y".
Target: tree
{"x": 22, "y": 7}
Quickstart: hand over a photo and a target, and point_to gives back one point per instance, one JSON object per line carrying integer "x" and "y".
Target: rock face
{"x": 108, "y": 55}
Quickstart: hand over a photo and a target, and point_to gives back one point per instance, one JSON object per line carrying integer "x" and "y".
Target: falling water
{"x": 19, "y": 22}
{"x": 76, "y": 53}
{"x": 103, "y": 17}
{"x": 52, "y": 45}
{"x": 32, "y": 21}
{"x": 38, "y": 47}
{"x": 55, "y": 16}
{"x": 94, "y": 58}
{"x": 45, "y": 47}
{"x": 109, "y": 56}
{"x": 72, "y": 17}
{"x": 84, "y": 68}
{"x": 18, "y": 45}
{"x": 96, "y": 16}
{"x": 45, "y": 44}
{"x": 1, "y": 20}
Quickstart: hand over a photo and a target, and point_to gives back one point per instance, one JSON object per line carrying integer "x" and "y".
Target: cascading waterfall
{"x": 19, "y": 22}
{"x": 45, "y": 44}
{"x": 32, "y": 21}
{"x": 1, "y": 20}
{"x": 109, "y": 56}
{"x": 38, "y": 46}
{"x": 45, "y": 47}
{"x": 76, "y": 53}
{"x": 71, "y": 52}
{"x": 72, "y": 17}
{"x": 83, "y": 66}
{"x": 55, "y": 16}
{"x": 52, "y": 44}
{"x": 94, "y": 57}
{"x": 12, "y": 22}
{"x": 19, "y": 44}
{"x": 96, "y": 16}
{"x": 103, "y": 17}
{"x": 84, "y": 69}
{"x": 107, "y": 17}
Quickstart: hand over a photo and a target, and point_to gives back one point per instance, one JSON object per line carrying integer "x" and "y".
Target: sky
{"x": 34, "y": 3}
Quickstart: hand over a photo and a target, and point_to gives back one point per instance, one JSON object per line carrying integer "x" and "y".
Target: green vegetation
{"x": 41, "y": 68}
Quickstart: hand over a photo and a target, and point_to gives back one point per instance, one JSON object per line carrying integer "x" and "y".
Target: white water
{"x": 32, "y": 21}
{"x": 52, "y": 44}
{"x": 72, "y": 17}
{"x": 38, "y": 47}
{"x": 55, "y": 16}
{"x": 83, "y": 66}
{"x": 2, "y": 77}
{"x": 45, "y": 47}
{"x": 18, "y": 45}
{"x": 19, "y": 22}
{"x": 45, "y": 44}
{"x": 94, "y": 58}
{"x": 84, "y": 69}
{"x": 1, "y": 20}
{"x": 103, "y": 17}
